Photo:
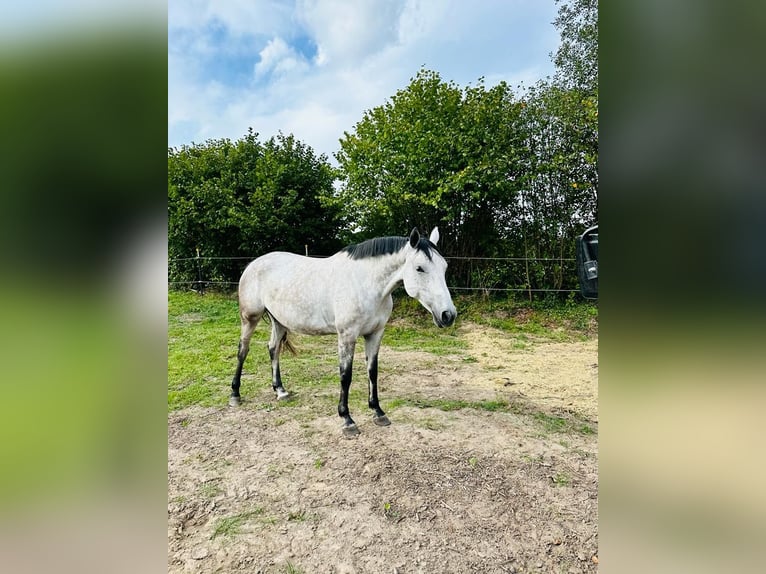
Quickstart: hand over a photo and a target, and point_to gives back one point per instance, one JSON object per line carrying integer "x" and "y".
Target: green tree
{"x": 435, "y": 154}
{"x": 502, "y": 176}
{"x": 245, "y": 198}
{"x": 560, "y": 194}
{"x": 576, "y": 59}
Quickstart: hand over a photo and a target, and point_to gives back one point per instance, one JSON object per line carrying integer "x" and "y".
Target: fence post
{"x": 200, "y": 285}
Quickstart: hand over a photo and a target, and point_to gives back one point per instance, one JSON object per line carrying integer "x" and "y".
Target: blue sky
{"x": 313, "y": 67}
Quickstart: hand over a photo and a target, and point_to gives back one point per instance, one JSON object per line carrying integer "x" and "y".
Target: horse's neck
{"x": 393, "y": 277}
{"x": 386, "y": 272}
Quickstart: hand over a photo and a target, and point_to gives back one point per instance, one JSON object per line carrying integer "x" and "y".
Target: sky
{"x": 313, "y": 67}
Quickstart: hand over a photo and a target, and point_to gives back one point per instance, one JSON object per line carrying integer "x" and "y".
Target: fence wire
{"x": 202, "y": 283}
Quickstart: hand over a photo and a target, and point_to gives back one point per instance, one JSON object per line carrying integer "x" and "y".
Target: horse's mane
{"x": 386, "y": 246}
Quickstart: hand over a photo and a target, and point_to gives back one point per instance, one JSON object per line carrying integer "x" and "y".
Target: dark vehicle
{"x": 587, "y": 262}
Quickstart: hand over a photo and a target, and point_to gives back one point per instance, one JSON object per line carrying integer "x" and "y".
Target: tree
{"x": 560, "y": 195}
{"x": 435, "y": 154}
{"x": 245, "y": 198}
{"x": 576, "y": 59}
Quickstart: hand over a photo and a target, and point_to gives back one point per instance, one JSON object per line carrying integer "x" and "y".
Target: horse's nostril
{"x": 447, "y": 318}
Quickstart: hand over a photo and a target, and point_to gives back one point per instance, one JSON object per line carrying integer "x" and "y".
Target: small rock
{"x": 199, "y": 553}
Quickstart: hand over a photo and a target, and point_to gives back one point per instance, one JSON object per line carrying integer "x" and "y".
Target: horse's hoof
{"x": 234, "y": 402}
{"x": 282, "y": 395}
{"x": 350, "y": 431}
{"x": 381, "y": 421}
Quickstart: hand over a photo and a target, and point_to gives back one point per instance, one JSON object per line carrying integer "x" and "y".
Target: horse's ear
{"x": 414, "y": 237}
{"x": 434, "y": 236}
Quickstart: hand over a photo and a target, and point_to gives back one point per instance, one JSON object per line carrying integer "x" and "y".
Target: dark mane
{"x": 386, "y": 246}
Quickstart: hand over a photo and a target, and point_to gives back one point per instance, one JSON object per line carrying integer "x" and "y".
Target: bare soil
{"x": 469, "y": 490}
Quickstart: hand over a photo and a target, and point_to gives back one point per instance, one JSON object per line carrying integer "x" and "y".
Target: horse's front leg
{"x": 371, "y": 349}
{"x": 346, "y": 348}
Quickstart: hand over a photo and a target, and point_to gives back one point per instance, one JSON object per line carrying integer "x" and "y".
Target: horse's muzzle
{"x": 446, "y": 319}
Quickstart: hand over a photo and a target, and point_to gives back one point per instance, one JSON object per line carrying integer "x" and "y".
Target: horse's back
{"x": 276, "y": 270}
{"x": 274, "y": 262}
{"x": 294, "y": 289}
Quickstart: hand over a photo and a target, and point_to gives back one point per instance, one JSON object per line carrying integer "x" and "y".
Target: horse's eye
{"x": 420, "y": 269}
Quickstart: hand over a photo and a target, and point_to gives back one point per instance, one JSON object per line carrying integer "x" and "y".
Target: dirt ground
{"x": 469, "y": 490}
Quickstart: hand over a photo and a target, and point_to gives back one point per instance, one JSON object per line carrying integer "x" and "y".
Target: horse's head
{"x": 424, "y": 277}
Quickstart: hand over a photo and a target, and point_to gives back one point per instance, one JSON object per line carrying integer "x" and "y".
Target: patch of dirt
{"x": 554, "y": 375}
{"x": 280, "y": 490}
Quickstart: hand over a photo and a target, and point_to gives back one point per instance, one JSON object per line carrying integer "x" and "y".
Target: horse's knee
{"x": 243, "y": 346}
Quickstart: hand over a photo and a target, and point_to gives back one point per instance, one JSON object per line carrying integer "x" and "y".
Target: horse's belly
{"x": 302, "y": 315}
{"x": 308, "y": 317}
{"x": 314, "y": 330}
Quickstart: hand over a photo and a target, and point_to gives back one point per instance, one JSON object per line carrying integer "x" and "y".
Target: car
{"x": 587, "y": 262}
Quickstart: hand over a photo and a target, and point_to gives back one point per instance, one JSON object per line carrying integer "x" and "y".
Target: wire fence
{"x": 202, "y": 283}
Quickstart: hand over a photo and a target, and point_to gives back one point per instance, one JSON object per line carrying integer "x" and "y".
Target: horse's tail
{"x": 287, "y": 344}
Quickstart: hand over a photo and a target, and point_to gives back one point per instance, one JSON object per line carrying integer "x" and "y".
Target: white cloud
{"x": 347, "y": 32}
{"x": 279, "y": 58}
{"x": 315, "y": 66}
{"x": 238, "y": 17}
{"x": 420, "y": 18}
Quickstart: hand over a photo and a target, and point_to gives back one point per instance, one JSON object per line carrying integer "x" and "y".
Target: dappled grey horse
{"x": 348, "y": 294}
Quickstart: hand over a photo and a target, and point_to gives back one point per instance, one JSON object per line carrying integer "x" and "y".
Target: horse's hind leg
{"x": 371, "y": 348}
{"x": 249, "y": 322}
{"x": 276, "y": 342}
{"x": 346, "y": 347}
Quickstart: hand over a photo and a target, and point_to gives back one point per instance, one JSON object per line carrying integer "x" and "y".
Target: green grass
{"x": 210, "y": 490}
{"x": 290, "y": 568}
{"x": 548, "y": 319}
{"x": 232, "y": 525}
{"x": 390, "y": 512}
{"x": 448, "y": 405}
{"x": 555, "y": 424}
{"x": 408, "y": 335}
{"x": 203, "y": 332}
{"x": 561, "y": 479}
{"x": 547, "y": 422}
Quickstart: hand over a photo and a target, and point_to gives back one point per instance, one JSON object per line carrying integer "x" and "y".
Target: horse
{"x": 349, "y": 294}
